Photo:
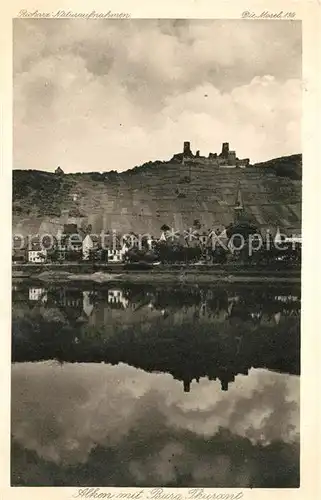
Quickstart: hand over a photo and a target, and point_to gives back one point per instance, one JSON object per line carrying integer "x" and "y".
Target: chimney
{"x": 225, "y": 149}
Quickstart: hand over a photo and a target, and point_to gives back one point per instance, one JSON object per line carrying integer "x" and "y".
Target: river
{"x": 155, "y": 385}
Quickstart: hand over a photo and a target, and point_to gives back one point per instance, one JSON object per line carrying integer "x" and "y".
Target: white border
{"x": 309, "y": 13}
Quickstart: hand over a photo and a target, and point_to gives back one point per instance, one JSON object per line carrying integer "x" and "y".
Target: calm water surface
{"x": 146, "y": 386}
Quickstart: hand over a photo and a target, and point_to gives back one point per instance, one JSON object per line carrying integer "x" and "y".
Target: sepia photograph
{"x": 156, "y": 253}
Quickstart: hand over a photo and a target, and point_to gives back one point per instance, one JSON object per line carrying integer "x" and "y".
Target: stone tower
{"x": 225, "y": 149}
{"x": 187, "y": 149}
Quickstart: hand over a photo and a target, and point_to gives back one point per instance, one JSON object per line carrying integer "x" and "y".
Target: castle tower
{"x": 231, "y": 158}
{"x": 225, "y": 149}
{"x": 187, "y": 149}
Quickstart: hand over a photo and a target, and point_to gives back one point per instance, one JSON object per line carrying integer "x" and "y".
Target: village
{"x": 240, "y": 242}
{"x": 235, "y": 234}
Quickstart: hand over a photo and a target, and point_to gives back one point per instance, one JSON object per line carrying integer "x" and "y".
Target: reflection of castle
{"x": 236, "y": 329}
{"x": 225, "y": 375}
{"x": 225, "y": 378}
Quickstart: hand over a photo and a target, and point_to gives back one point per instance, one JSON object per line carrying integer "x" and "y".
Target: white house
{"x": 37, "y": 256}
{"x": 38, "y": 294}
{"x": 87, "y": 247}
{"x": 117, "y": 254}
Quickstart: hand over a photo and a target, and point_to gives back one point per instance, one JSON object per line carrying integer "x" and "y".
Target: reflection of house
{"x": 117, "y": 297}
{"x": 38, "y": 294}
{"x": 70, "y": 298}
{"x": 87, "y": 303}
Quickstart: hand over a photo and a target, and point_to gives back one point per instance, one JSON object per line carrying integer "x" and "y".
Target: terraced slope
{"x": 145, "y": 198}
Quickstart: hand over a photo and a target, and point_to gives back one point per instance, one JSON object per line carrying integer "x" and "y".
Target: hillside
{"x": 144, "y": 198}
{"x": 286, "y": 166}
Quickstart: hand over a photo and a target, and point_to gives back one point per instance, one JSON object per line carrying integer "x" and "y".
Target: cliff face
{"x": 146, "y": 197}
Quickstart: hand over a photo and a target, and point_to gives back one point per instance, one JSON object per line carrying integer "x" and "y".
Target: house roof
{"x": 70, "y": 229}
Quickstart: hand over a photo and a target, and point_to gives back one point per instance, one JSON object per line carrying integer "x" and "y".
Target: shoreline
{"x": 52, "y": 274}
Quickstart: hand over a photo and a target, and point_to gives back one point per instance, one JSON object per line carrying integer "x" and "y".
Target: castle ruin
{"x": 226, "y": 159}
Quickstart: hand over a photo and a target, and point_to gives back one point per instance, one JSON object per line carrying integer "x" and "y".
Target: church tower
{"x": 239, "y": 205}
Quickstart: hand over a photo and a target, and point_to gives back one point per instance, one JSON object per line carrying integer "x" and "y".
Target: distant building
{"x": 118, "y": 253}
{"x": 38, "y": 294}
{"x": 88, "y": 306}
{"x": 226, "y": 159}
{"x": 37, "y": 256}
{"x": 37, "y": 253}
{"x": 59, "y": 171}
{"x": 87, "y": 247}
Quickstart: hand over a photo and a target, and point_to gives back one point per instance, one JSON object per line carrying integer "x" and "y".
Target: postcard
{"x": 159, "y": 190}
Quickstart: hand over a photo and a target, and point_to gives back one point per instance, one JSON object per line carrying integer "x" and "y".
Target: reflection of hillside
{"x": 190, "y": 333}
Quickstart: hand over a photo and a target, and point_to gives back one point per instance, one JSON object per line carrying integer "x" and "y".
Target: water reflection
{"x": 101, "y": 425}
{"x": 187, "y": 332}
{"x": 199, "y": 386}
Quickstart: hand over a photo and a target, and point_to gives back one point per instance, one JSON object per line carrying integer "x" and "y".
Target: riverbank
{"x": 116, "y": 274}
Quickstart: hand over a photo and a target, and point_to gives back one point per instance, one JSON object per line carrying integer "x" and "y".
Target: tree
{"x": 53, "y": 254}
{"x": 197, "y": 224}
{"x": 219, "y": 255}
{"x": 135, "y": 254}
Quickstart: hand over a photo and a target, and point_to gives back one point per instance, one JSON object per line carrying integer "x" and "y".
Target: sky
{"x": 122, "y": 422}
{"x": 104, "y": 95}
